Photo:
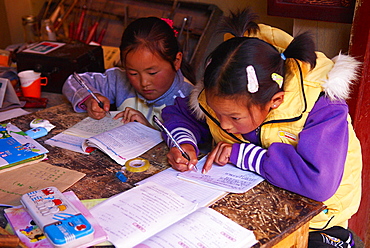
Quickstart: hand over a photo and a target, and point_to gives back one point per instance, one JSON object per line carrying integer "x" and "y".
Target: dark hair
{"x": 156, "y": 35}
{"x": 225, "y": 75}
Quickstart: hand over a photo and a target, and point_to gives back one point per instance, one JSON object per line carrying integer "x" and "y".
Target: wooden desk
{"x": 278, "y": 218}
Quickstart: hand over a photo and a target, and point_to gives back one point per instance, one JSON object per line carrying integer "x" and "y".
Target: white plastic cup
{"x": 31, "y": 83}
{"x": 27, "y": 77}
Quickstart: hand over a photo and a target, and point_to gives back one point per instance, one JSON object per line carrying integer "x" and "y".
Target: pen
{"x": 82, "y": 83}
{"x": 164, "y": 129}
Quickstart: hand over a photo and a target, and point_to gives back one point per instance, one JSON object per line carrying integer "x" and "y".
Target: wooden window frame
{"x": 338, "y": 11}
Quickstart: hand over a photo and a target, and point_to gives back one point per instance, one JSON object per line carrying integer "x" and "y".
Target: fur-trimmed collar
{"x": 345, "y": 71}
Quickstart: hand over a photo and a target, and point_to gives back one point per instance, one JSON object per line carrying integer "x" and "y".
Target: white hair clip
{"x": 278, "y": 79}
{"x": 252, "y": 79}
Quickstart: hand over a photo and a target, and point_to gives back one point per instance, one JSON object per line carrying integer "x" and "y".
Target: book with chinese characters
{"x": 119, "y": 141}
{"x": 17, "y": 148}
{"x": 153, "y": 216}
{"x": 193, "y": 192}
{"x": 228, "y": 177}
{"x": 124, "y": 142}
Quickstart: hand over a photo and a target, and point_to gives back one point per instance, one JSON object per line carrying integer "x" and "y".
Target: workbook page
{"x": 227, "y": 178}
{"x": 202, "y": 228}
{"x": 136, "y": 214}
{"x": 125, "y": 142}
{"x": 196, "y": 193}
{"x": 89, "y": 127}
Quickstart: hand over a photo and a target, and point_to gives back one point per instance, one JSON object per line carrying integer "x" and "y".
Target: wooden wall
{"x": 359, "y": 109}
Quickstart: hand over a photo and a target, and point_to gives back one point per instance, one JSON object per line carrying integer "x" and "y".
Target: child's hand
{"x": 93, "y": 109}
{"x": 180, "y": 163}
{"x": 219, "y": 155}
{"x": 130, "y": 115}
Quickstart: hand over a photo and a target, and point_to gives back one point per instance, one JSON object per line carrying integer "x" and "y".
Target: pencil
{"x": 82, "y": 83}
{"x": 164, "y": 129}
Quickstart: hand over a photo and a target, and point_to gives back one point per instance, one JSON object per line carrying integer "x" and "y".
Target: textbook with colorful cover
{"x": 153, "y": 216}
{"x": 17, "y": 148}
{"x": 119, "y": 141}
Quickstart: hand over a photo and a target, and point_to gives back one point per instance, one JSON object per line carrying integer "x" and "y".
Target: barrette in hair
{"x": 278, "y": 79}
{"x": 170, "y": 23}
{"x": 252, "y": 85}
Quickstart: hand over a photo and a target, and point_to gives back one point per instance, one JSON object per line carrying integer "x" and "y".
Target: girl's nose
{"x": 144, "y": 82}
{"x": 226, "y": 125}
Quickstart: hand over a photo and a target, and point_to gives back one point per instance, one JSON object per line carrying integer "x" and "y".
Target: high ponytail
{"x": 302, "y": 48}
{"x": 239, "y": 22}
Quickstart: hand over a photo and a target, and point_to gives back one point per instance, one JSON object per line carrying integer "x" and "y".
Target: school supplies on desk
{"x": 151, "y": 215}
{"x": 16, "y": 147}
{"x": 31, "y": 235}
{"x": 61, "y": 222}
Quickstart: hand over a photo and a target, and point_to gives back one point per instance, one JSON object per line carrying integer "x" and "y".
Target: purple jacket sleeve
{"x": 183, "y": 125}
{"x": 315, "y": 167}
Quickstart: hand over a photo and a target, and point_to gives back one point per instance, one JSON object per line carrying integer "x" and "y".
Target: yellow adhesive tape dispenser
{"x": 137, "y": 165}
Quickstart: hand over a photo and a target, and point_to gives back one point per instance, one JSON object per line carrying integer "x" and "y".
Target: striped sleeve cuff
{"x": 182, "y": 136}
{"x": 247, "y": 156}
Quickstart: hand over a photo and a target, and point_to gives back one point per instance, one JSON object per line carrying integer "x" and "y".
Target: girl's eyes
{"x": 134, "y": 73}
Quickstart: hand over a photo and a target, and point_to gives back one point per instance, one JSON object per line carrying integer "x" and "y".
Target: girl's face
{"x": 149, "y": 74}
{"x": 234, "y": 116}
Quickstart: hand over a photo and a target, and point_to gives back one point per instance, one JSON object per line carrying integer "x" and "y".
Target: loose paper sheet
{"x": 12, "y": 113}
{"x": 15, "y": 183}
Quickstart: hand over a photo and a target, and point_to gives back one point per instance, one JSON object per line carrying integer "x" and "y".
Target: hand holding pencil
{"x": 186, "y": 151}
{"x": 97, "y": 105}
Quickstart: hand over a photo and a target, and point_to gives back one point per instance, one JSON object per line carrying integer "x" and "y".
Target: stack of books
{"x": 17, "y": 148}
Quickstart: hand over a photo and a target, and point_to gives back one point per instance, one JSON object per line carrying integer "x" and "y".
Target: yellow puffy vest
{"x": 345, "y": 202}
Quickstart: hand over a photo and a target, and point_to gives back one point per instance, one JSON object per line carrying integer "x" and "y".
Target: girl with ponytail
{"x": 273, "y": 105}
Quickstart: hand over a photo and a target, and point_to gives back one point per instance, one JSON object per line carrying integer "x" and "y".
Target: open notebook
{"x": 119, "y": 141}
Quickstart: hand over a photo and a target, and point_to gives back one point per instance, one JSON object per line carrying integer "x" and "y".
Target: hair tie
{"x": 252, "y": 85}
{"x": 170, "y": 23}
{"x": 282, "y": 56}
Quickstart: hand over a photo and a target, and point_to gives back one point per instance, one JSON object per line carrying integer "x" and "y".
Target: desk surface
{"x": 272, "y": 213}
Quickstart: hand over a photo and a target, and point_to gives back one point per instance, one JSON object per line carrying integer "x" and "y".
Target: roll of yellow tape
{"x": 137, "y": 165}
